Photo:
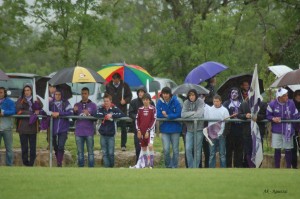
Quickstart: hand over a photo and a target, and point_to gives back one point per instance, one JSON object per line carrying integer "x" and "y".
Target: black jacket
{"x": 116, "y": 94}
{"x": 244, "y": 109}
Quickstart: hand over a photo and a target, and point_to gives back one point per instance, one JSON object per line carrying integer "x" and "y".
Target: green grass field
{"x": 38, "y": 182}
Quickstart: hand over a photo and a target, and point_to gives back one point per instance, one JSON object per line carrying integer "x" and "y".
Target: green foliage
{"x": 168, "y": 38}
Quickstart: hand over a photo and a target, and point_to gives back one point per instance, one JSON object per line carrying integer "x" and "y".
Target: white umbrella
{"x": 280, "y": 70}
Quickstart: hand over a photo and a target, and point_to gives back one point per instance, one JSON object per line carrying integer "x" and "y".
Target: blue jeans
{"x": 80, "y": 149}
{"x": 167, "y": 140}
{"x": 8, "y": 142}
{"x": 189, "y": 147}
{"x": 218, "y": 142}
{"x": 108, "y": 150}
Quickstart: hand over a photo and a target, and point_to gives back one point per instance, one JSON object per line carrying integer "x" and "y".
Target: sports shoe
{"x": 123, "y": 148}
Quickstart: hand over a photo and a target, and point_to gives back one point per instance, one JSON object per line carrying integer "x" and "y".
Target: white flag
{"x": 254, "y": 100}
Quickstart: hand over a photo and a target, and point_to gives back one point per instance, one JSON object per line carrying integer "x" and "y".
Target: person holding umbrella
{"x": 121, "y": 96}
{"x": 282, "y": 132}
{"x": 296, "y": 139}
{"x": 211, "y": 83}
{"x": 26, "y": 128}
{"x": 60, "y": 107}
{"x": 7, "y": 108}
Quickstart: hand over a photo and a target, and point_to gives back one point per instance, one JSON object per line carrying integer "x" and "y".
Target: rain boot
{"x": 288, "y": 158}
{"x": 151, "y": 161}
{"x": 277, "y": 157}
{"x": 145, "y": 157}
{"x": 60, "y": 155}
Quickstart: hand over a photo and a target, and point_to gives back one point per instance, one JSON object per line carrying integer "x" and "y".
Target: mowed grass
{"x": 38, "y": 182}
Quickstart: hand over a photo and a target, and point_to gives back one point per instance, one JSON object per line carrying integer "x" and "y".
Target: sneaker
{"x": 123, "y": 148}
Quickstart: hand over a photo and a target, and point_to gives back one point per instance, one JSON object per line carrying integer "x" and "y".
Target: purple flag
{"x": 254, "y": 100}
{"x": 211, "y": 132}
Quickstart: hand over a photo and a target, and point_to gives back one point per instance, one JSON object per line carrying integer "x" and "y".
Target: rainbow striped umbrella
{"x": 133, "y": 75}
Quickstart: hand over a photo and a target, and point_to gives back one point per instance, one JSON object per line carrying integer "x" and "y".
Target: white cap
{"x": 280, "y": 92}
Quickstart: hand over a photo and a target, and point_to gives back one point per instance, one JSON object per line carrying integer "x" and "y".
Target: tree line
{"x": 167, "y": 37}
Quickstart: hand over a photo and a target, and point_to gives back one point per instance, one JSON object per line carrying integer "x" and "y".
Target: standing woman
{"x": 27, "y": 130}
{"x": 60, "y": 107}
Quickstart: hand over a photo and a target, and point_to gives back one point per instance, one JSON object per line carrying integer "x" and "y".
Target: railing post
{"x": 50, "y": 140}
{"x": 195, "y": 144}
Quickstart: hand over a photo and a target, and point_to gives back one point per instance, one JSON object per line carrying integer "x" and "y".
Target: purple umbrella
{"x": 3, "y": 76}
{"x": 204, "y": 71}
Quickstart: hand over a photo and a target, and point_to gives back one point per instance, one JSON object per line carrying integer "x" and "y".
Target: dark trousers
{"x": 122, "y": 124}
{"x": 295, "y": 150}
{"x": 136, "y": 145}
{"x": 206, "y": 154}
{"x": 28, "y": 141}
{"x": 59, "y": 142}
{"x": 234, "y": 150}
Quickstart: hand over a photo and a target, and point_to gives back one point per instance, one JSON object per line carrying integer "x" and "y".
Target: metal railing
{"x": 194, "y": 120}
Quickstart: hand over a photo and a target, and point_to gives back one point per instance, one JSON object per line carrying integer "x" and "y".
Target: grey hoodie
{"x": 193, "y": 110}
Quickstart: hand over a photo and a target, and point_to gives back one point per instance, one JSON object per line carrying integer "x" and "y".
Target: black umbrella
{"x": 76, "y": 74}
{"x": 41, "y": 87}
{"x": 236, "y": 81}
{"x": 184, "y": 89}
{"x": 3, "y": 76}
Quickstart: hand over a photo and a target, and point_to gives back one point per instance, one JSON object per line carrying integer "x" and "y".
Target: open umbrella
{"x": 290, "y": 78}
{"x": 204, "y": 71}
{"x": 133, "y": 75}
{"x": 184, "y": 89}
{"x": 236, "y": 81}
{"x": 76, "y": 74}
{"x": 41, "y": 85}
{"x": 280, "y": 70}
{"x": 3, "y": 76}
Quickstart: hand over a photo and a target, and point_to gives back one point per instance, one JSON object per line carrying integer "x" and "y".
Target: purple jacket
{"x": 285, "y": 111}
{"x": 61, "y": 125}
{"x": 85, "y": 127}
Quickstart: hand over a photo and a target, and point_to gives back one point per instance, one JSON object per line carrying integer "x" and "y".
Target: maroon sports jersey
{"x": 145, "y": 119}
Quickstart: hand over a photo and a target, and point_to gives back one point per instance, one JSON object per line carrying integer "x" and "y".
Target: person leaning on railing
{"x": 7, "y": 108}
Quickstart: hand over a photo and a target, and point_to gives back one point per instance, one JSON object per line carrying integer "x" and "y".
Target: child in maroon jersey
{"x": 145, "y": 124}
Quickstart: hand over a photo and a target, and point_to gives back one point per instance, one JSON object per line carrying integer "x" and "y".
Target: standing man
{"x": 134, "y": 106}
{"x": 234, "y": 140}
{"x": 193, "y": 107}
{"x": 7, "y": 108}
{"x": 217, "y": 111}
{"x": 169, "y": 107}
{"x": 296, "y": 139}
{"x": 211, "y": 83}
{"x": 282, "y": 132}
{"x": 85, "y": 128}
{"x": 244, "y": 90}
{"x": 108, "y": 112}
{"x": 244, "y": 114}
{"x": 121, "y": 96}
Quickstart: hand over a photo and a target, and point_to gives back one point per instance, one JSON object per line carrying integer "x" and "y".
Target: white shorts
{"x": 279, "y": 142}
